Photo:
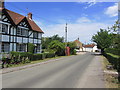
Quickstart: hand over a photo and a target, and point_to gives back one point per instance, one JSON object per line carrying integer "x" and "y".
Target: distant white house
{"x": 90, "y": 48}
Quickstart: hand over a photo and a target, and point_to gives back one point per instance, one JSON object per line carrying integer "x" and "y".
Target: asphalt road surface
{"x": 79, "y": 71}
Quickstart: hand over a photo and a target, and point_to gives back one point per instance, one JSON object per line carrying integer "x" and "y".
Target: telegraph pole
{"x": 66, "y": 35}
{"x": 66, "y": 39}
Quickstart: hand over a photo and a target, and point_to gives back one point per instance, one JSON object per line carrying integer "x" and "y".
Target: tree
{"x": 58, "y": 47}
{"x": 72, "y": 46}
{"x": 103, "y": 39}
{"x": 47, "y": 40}
{"x": 56, "y": 37}
{"x": 115, "y": 27}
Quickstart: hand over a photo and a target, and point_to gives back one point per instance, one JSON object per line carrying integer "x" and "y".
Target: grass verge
{"x": 110, "y": 81}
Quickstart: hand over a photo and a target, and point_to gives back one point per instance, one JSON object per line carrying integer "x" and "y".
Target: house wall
{"x": 14, "y": 39}
{"x": 88, "y": 49}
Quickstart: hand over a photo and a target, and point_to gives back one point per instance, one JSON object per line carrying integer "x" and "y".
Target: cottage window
{"x": 22, "y": 32}
{"x": 5, "y": 47}
{"x": 21, "y": 47}
{"x": 19, "y": 31}
{"x": 5, "y": 28}
{"x": 35, "y": 35}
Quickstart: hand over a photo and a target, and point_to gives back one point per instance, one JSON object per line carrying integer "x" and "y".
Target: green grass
{"x": 110, "y": 82}
{"x": 116, "y": 56}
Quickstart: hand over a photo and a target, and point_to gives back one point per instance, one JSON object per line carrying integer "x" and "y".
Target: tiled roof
{"x": 17, "y": 18}
{"x": 34, "y": 26}
{"x": 89, "y": 46}
{"x": 77, "y": 41}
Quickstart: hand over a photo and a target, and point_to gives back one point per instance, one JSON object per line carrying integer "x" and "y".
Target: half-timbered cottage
{"x": 16, "y": 31}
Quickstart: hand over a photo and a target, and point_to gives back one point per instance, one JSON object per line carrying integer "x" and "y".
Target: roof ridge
{"x": 17, "y": 18}
{"x": 14, "y": 12}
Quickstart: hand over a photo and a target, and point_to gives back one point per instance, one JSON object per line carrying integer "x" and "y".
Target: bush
{"x": 22, "y": 54}
{"x": 115, "y": 51}
{"x": 37, "y": 57}
{"x": 50, "y": 55}
{"x": 31, "y": 47}
{"x": 24, "y": 57}
{"x": 74, "y": 52}
{"x": 72, "y": 46}
{"x": 58, "y": 47}
{"x": 20, "y": 57}
{"x": 113, "y": 59}
{"x": 43, "y": 56}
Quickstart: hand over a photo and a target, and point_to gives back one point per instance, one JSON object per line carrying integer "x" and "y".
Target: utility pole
{"x": 66, "y": 35}
{"x": 66, "y": 39}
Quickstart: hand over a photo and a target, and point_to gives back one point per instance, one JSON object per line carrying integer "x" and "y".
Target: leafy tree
{"x": 115, "y": 27}
{"x": 72, "y": 46}
{"x": 56, "y": 37}
{"x": 103, "y": 39}
{"x": 47, "y": 40}
{"x": 58, "y": 47}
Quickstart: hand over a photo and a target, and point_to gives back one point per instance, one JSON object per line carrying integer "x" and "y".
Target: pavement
{"x": 80, "y": 71}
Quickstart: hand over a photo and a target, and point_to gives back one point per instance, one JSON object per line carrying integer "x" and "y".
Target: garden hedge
{"x": 24, "y": 57}
{"x": 114, "y": 60}
{"x": 115, "y": 51}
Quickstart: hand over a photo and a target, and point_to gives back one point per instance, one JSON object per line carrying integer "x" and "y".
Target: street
{"x": 79, "y": 71}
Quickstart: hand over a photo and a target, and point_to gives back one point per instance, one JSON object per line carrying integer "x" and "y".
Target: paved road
{"x": 80, "y": 71}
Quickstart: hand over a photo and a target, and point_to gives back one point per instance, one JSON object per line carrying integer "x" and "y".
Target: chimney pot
{"x": 30, "y": 15}
{"x": 2, "y": 4}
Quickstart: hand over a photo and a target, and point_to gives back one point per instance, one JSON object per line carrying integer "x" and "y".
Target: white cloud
{"x": 82, "y": 30}
{"x": 83, "y": 20}
{"x": 90, "y": 3}
{"x": 112, "y": 11}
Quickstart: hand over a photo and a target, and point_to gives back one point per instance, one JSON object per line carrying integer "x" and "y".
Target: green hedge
{"x": 50, "y": 55}
{"x": 37, "y": 57}
{"x": 115, "y": 51}
{"x": 114, "y": 60}
{"x": 24, "y": 57}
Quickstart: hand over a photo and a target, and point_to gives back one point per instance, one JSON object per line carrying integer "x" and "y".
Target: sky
{"x": 84, "y": 19}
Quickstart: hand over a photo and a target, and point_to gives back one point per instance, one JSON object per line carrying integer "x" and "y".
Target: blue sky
{"x": 84, "y": 18}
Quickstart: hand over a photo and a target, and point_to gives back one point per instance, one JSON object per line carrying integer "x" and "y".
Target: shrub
{"x": 114, "y": 51}
{"x": 31, "y": 47}
{"x": 72, "y": 46}
{"x": 58, "y": 47}
{"x": 74, "y": 52}
{"x": 113, "y": 59}
{"x": 20, "y": 57}
{"x": 24, "y": 57}
{"x": 37, "y": 57}
{"x": 50, "y": 55}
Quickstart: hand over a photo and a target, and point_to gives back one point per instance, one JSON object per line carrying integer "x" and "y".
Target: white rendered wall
{"x": 88, "y": 49}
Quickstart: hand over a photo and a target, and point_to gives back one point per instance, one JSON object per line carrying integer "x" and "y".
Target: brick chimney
{"x": 2, "y": 4}
{"x": 30, "y": 16}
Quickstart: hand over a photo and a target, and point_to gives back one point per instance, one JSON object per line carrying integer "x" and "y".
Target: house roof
{"x": 77, "y": 41}
{"x": 34, "y": 26}
{"x": 89, "y": 46}
{"x": 17, "y": 18}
